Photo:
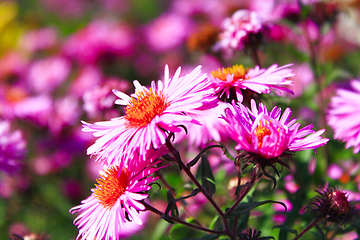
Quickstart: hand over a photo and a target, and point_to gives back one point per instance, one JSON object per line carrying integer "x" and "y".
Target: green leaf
{"x": 247, "y": 207}
{"x": 206, "y": 175}
{"x": 320, "y": 231}
{"x": 172, "y": 207}
{"x": 196, "y": 159}
{"x": 172, "y": 204}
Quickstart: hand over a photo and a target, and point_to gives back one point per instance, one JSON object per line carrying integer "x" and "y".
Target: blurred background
{"x": 60, "y": 60}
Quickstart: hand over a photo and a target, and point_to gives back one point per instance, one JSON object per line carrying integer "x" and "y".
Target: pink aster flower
{"x": 236, "y": 30}
{"x": 167, "y": 31}
{"x": 268, "y": 135}
{"x": 12, "y": 148}
{"x": 231, "y": 81}
{"x": 115, "y": 200}
{"x": 150, "y": 114}
{"x": 47, "y": 74}
{"x": 343, "y": 115}
{"x": 100, "y": 39}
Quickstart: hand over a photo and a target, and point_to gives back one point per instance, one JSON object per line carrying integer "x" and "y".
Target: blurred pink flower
{"x": 115, "y": 200}
{"x": 150, "y": 113}
{"x": 267, "y": 134}
{"x": 88, "y": 77}
{"x": 343, "y": 115}
{"x": 167, "y": 32}
{"x": 236, "y": 30}
{"x": 46, "y": 74}
{"x": 65, "y": 112}
{"x": 303, "y": 77}
{"x": 290, "y": 185}
{"x": 12, "y": 64}
{"x": 258, "y": 80}
{"x": 37, "y": 109}
{"x": 101, "y": 97}
{"x": 100, "y": 39}
{"x": 344, "y": 171}
{"x": 40, "y": 39}
{"x": 12, "y": 148}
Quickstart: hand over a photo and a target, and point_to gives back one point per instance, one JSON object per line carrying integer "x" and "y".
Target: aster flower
{"x": 232, "y": 81}
{"x": 150, "y": 114}
{"x": 237, "y": 29}
{"x": 265, "y": 137}
{"x": 115, "y": 200}
{"x": 12, "y": 148}
{"x": 334, "y": 206}
{"x": 343, "y": 116}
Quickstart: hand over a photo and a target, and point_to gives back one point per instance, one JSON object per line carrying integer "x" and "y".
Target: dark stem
{"x": 158, "y": 212}
{"x": 255, "y": 55}
{"x": 168, "y": 187}
{"x": 183, "y": 166}
{"x": 253, "y": 179}
{"x": 308, "y": 227}
{"x": 239, "y": 172}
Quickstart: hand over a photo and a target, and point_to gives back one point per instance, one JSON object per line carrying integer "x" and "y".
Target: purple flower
{"x": 236, "y": 30}
{"x": 268, "y": 134}
{"x": 167, "y": 32}
{"x": 237, "y": 79}
{"x": 150, "y": 114}
{"x": 116, "y": 199}
{"x": 343, "y": 115}
{"x": 98, "y": 40}
{"x": 12, "y": 148}
{"x": 47, "y": 74}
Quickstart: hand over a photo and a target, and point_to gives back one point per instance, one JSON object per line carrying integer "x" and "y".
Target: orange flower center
{"x": 238, "y": 71}
{"x": 261, "y": 131}
{"x": 111, "y": 186}
{"x": 142, "y": 110}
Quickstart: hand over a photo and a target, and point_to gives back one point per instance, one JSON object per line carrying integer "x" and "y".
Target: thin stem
{"x": 168, "y": 187}
{"x": 193, "y": 178}
{"x": 176, "y": 155}
{"x": 255, "y": 56}
{"x": 308, "y": 227}
{"x": 158, "y": 212}
{"x": 253, "y": 179}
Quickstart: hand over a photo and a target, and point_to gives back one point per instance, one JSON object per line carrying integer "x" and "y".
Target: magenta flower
{"x": 236, "y": 30}
{"x": 150, "y": 114}
{"x": 12, "y": 148}
{"x": 100, "y": 39}
{"x": 344, "y": 114}
{"x": 167, "y": 32}
{"x": 235, "y": 79}
{"x": 116, "y": 199}
{"x": 268, "y": 134}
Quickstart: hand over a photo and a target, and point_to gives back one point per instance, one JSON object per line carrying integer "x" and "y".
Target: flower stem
{"x": 168, "y": 187}
{"x": 308, "y": 227}
{"x": 183, "y": 166}
{"x": 158, "y": 212}
{"x": 253, "y": 179}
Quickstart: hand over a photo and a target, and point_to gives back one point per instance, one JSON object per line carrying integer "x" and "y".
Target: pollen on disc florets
{"x": 111, "y": 186}
{"x": 238, "y": 71}
{"x": 262, "y": 131}
{"x": 141, "y": 110}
